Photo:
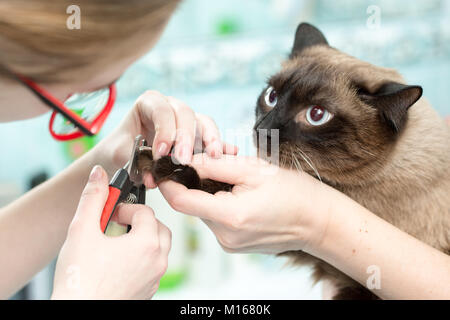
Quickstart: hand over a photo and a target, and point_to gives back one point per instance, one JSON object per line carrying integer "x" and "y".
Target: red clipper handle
{"x": 108, "y": 210}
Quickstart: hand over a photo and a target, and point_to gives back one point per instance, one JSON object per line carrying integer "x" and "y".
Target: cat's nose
{"x": 266, "y": 122}
{"x": 262, "y": 132}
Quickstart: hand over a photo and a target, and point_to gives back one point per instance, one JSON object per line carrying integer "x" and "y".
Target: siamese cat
{"x": 358, "y": 128}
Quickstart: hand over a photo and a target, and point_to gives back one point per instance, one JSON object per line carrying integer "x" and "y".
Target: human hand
{"x": 93, "y": 266}
{"x": 164, "y": 122}
{"x": 270, "y": 210}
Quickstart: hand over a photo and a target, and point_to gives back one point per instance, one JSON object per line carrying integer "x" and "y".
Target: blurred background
{"x": 216, "y": 56}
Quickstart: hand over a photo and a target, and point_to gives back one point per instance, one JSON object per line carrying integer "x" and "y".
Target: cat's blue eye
{"x": 317, "y": 115}
{"x": 271, "y": 97}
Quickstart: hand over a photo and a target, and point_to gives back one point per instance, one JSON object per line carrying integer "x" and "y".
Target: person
{"x": 289, "y": 211}
{"x": 36, "y": 44}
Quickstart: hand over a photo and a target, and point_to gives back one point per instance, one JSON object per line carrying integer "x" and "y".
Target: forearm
{"x": 356, "y": 239}
{"x": 33, "y": 228}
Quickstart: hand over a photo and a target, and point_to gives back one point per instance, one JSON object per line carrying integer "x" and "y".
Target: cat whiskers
{"x": 291, "y": 156}
{"x": 309, "y": 162}
{"x": 297, "y": 164}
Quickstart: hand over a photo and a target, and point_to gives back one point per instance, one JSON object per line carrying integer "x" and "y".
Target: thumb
{"x": 93, "y": 199}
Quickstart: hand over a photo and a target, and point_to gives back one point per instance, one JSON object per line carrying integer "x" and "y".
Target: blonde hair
{"x": 36, "y": 42}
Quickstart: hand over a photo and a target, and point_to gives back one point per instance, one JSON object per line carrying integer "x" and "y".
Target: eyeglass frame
{"x": 85, "y": 128}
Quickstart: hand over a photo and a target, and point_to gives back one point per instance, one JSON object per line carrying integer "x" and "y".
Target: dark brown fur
{"x": 167, "y": 169}
{"x": 384, "y": 148}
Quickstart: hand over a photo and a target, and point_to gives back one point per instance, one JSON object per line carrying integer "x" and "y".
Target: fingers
{"x": 149, "y": 182}
{"x": 214, "y": 147}
{"x": 154, "y": 108}
{"x": 124, "y": 212}
{"x": 140, "y": 217}
{"x": 230, "y": 169}
{"x": 175, "y": 124}
{"x": 185, "y": 133}
{"x": 92, "y": 201}
{"x": 195, "y": 202}
{"x": 210, "y": 136}
{"x": 144, "y": 223}
{"x": 230, "y": 149}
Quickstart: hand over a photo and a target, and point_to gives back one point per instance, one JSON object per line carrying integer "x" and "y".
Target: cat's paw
{"x": 166, "y": 169}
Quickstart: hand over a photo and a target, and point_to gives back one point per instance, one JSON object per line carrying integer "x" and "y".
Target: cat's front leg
{"x": 165, "y": 169}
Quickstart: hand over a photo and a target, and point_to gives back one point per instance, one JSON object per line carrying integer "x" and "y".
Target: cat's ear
{"x": 393, "y": 101}
{"x": 306, "y": 36}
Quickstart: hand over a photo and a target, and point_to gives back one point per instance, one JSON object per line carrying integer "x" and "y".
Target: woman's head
{"x": 36, "y": 42}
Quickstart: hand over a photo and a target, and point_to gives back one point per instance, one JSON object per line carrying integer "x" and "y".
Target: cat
{"x": 358, "y": 128}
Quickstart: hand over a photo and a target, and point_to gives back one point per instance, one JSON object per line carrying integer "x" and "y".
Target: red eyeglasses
{"x": 81, "y": 114}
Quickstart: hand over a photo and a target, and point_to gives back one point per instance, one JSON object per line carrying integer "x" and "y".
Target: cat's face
{"x": 336, "y": 115}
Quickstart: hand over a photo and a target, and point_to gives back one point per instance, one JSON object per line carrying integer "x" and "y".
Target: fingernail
{"x": 184, "y": 154}
{"x": 96, "y": 173}
{"x": 216, "y": 150}
{"x": 149, "y": 182}
{"x": 162, "y": 149}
